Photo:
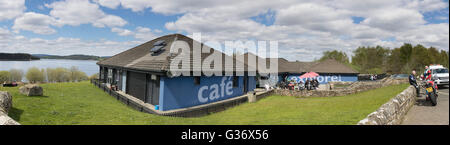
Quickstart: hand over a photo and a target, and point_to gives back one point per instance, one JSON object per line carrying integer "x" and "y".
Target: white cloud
{"x": 10, "y": 9}
{"x": 315, "y": 26}
{"x": 436, "y": 35}
{"x": 37, "y": 23}
{"x": 5, "y": 37}
{"x": 315, "y": 17}
{"x": 145, "y": 34}
{"x": 63, "y": 45}
{"x": 426, "y": 5}
{"x": 397, "y": 19}
{"x": 110, "y": 21}
{"x": 135, "y": 5}
{"x": 122, "y": 32}
{"x": 108, "y": 3}
{"x": 304, "y": 28}
{"x": 77, "y": 12}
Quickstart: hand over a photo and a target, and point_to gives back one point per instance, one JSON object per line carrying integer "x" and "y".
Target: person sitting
{"x": 316, "y": 83}
{"x": 309, "y": 84}
{"x": 114, "y": 86}
{"x": 301, "y": 85}
{"x": 291, "y": 85}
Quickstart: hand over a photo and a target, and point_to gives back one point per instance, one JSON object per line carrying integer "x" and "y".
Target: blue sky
{"x": 304, "y": 29}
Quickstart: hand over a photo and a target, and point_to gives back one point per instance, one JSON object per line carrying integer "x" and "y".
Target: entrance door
{"x": 136, "y": 85}
{"x": 152, "y": 90}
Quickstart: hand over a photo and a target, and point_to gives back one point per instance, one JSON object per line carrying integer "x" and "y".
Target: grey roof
{"x": 325, "y": 66}
{"x": 140, "y": 58}
{"x": 331, "y": 66}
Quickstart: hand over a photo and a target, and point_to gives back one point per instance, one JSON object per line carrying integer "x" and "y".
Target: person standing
{"x": 413, "y": 81}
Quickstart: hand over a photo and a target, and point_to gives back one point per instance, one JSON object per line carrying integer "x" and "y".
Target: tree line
{"x": 378, "y": 59}
{"x": 52, "y": 75}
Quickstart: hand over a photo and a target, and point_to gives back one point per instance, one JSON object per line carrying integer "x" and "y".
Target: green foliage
{"x": 16, "y": 75}
{"x": 77, "y": 75}
{"x": 4, "y": 76}
{"x": 61, "y": 74}
{"x": 35, "y": 75}
{"x": 399, "y": 60}
{"x": 336, "y": 55}
{"x": 58, "y": 74}
{"x": 94, "y": 76}
{"x": 82, "y": 103}
{"x": 370, "y": 59}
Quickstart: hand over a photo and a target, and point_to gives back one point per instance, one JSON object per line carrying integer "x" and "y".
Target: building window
{"x": 197, "y": 80}
{"x": 154, "y": 77}
{"x": 109, "y": 76}
{"x": 235, "y": 82}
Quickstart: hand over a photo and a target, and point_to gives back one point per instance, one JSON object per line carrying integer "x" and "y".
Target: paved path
{"x": 422, "y": 113}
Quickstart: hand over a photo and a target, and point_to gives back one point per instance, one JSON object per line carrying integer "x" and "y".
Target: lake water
{"x": 87, "y": 66}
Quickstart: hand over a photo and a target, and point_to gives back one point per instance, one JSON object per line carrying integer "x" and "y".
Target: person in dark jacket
{"x": 308, "y": 84}
{"x": 316, "y": 82}
{"x": 413, "y": 81}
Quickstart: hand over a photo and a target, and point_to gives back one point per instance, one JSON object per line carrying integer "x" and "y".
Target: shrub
{"x": 4, "y": 76}
{"x": 35, "y": 75}
{"x": 77, "y": 75}
{"x": 61, "y": 74}
{"x": 16, "y": 75}
{"x": 94, "y": 76}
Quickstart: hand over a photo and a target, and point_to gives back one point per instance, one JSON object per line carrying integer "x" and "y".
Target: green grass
{"x": 83, "y": 103}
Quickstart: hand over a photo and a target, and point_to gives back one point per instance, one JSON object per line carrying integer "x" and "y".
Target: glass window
{"x": 442, "y": 70}
{"x": 235, "y": 82}
{"x": 197, "y": 80}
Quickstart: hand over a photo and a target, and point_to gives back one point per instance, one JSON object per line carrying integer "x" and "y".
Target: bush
{"x": 94, "y": 76}
{"x": 35, "y": 75}
{"x": 61, "y": 74}
{"x": 4, "y": 76}
{"x": 16, "y": 75}
{"x": 77, "y": 75}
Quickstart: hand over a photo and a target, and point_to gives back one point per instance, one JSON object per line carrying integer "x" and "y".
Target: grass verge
{"x": 83, "y": 103}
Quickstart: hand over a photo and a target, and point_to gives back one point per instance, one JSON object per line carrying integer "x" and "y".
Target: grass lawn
{"x": 83, "y": 103}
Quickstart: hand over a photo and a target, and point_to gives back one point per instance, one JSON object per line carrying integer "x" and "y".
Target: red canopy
{"x": 309, "y": 75}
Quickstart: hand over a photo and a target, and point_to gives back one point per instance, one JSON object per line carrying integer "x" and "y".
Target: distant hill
{"x": 17, "y": 57}
{"x": 73, "y": 57}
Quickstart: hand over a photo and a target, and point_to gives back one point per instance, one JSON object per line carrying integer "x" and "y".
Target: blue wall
{"x": 181, "y": 92}
{"x": 325, "y": 78}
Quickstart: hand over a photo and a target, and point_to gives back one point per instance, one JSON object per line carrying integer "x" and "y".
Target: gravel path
{"x": 422, "y": 113}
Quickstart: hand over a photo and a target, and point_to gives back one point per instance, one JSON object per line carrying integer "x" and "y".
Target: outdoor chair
{"x": 114, "y": 86}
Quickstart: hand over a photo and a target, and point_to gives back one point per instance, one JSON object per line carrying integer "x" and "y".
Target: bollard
{"x": 251, "y": 97}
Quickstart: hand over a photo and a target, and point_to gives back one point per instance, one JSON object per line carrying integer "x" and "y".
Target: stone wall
{"x": 354, "y": 87}
{"x": 5, "y": 106}
{"x": 393, "y": 112}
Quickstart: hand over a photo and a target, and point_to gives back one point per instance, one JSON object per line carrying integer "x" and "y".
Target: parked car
{"x": 439, "y": 74}
{"x": 399, "y": 76}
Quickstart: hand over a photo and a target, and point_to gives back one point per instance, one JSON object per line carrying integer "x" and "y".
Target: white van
{"x": 439, "y": 74}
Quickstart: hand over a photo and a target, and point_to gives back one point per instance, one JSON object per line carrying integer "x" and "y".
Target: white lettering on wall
{"x": 216, "y": 91}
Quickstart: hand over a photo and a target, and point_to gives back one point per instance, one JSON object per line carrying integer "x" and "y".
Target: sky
{"x": 303, "y": 28}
